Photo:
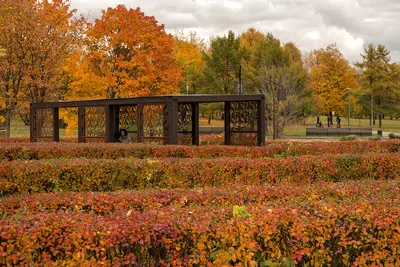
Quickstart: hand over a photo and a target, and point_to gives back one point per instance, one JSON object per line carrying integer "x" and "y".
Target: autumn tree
{"x": 250, "y": 40}
{"x": 223, "y": 64}
{"x": 35, "y": 36}
{"x": 189, "y": 51}
{"x": 126, "y": 54}
{"x": 330, "y": 77}
{"x": 380, "y": 82}
{"x": 273, "y": 70}
{"x": 294, "y": 51}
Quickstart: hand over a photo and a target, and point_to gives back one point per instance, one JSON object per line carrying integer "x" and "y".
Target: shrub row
{"x": 112, "y": 151}
{"x": 110, "y": 175}
{"x": 144, "y": 200}
{"x": 362, "y": 232}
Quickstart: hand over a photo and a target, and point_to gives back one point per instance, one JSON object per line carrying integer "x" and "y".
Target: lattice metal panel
{"x": 128, "y": 119}
{"x": 42, "y": 123}
{"x": 185, "y": 124}
{"x": 185, "y": 118}
{"x": 244, "y": 116}
{"x": 95, "y": 122}
{"x": 155, "y": 121}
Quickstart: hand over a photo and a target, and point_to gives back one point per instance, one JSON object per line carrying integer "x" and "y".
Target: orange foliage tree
{"x": 35, "y": 36}
{"x": 125, "y": 54}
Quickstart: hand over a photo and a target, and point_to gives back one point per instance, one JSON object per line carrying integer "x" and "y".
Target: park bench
{"x": 315, "y": 131}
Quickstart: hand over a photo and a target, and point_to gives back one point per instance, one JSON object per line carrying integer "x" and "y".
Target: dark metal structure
{"x": 166, "y": 119}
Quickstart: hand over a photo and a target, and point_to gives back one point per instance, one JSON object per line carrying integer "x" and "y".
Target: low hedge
{"x": 109, "y": 202}
{"x": 113, "y": 151}
{"x": 110, "y": 175}
{"x": 318, "y": 232}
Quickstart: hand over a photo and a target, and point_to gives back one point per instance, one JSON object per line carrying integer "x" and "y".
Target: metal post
{"x": 173, "y": 121}
{"x": 227, "y": 124}
{"x": 32, "y": 124}
{"x": 187, "y": 81}
{"x": 110, "y": 123}
{"x": 195, "y": 124}
{"x": 240, "y": 80}
{"x": 140, "y": 123}
{"x": 261, "y": 122}
{"x": 81, "y": 125}
{"x": 274, "y": 132}
{"x": 56, "y": 125}
{"x": 372, "y": 110}
{"x": 348, "y": 123}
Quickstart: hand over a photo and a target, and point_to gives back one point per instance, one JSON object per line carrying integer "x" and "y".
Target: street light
{"x": 348, "y": 123}
{"x": 187, "y": 81}
{"x": 372, "y": 110}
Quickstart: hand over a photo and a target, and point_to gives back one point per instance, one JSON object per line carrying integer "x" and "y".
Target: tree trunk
{"x": 380, "y": 120}
{"x": 274, "y": 130}
{"x": 7, "y": 125}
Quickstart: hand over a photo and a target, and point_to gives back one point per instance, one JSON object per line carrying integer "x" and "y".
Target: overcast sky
{"x": 311, "y": 24}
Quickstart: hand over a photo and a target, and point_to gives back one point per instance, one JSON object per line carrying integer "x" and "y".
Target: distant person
{"x": 338, "y": 120}
{"x": 124, "y": 137}
{"x": 320, "y": 124}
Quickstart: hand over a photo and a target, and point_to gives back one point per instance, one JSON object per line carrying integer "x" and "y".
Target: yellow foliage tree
{"x": 189, "y": 55}
{"x": 331, "y": 76}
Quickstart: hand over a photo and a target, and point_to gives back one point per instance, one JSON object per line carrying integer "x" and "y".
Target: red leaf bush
{"x": 113, "y": 151}
{"x": 110, "y": 175}
{"x": 317, "y": 230}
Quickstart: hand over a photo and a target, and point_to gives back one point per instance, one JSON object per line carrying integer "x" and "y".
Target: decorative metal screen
{"x": 185, "y": 124}
{"x": 128, "y": 118}
{"x": 42, "y": 120}
{"x": 243, "y": 122}
{"x": 244, "y": 116}
{"x": 94, "y": 123}
{"x": 155, "y": 123}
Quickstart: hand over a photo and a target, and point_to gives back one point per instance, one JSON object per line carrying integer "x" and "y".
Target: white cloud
{"x": 311, "y": 24}
{"x": 313, "y": 35}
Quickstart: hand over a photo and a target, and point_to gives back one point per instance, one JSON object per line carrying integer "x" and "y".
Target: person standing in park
{"x": 338, "y": 119}
{"x": 125, "y": 138}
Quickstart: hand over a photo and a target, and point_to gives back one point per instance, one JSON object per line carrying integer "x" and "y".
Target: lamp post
{"x": 187, "y": 81}
{"x": 348, "y": 123}
{"x": 372, "y": 110}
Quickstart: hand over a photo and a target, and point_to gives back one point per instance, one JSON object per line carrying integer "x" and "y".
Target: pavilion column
{"x": 81, "y": 124}
{"x": 261, "y": 122}
{"x": 172, "y": 121}
{"x": 56, "y": 125}
{"x": 227, "y": 124}
{"x": 32, "y": 124}
{"x": 195, "y": 124}
{"x": 140, "y": 123}
{"x": 115, "y": 120}
{"x": 112, "y": 122}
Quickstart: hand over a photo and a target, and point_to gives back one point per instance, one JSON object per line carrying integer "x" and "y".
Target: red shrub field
{"x": 285, "y": 204}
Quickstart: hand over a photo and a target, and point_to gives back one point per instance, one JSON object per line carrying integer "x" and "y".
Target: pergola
{"x": 166, "y": 119}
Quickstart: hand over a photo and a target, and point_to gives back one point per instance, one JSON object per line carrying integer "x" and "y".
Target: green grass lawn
{"x": 300, "y": 130}
{"x": 19, "y": 129}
